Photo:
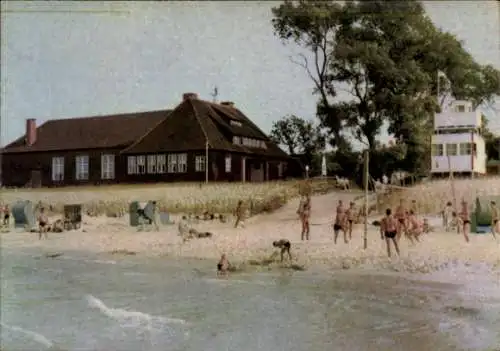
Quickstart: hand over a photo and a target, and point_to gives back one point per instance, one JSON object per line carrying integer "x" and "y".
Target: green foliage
{"x": 386, "y": 56}
{"x": 300, "y": 137}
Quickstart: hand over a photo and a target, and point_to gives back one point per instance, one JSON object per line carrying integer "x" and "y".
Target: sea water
{"x": 80, "y": 301}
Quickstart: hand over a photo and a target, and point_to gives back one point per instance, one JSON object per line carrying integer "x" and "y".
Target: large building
{"x": 457, "y": 144}
{"x": 196, "y": 141}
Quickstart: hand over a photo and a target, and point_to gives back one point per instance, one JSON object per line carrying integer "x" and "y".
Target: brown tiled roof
{"x": 90, "y": 132}
{"x": 195, "y": 121}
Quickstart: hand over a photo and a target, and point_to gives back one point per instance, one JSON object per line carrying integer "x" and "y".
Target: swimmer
{"x": 465, "y": 217}
{"x": 350, "y": 214}
{"x": 389, "y": 228}
{"x": 223, "y": 266}
{"x": 400, "y": 215}
{"x": 495, "y": 219}
{"x": 340, "y": 223}
{"x": 285, "y": 246}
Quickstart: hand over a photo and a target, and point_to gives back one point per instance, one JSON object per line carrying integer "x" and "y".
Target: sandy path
{"x": 254, "y": 241}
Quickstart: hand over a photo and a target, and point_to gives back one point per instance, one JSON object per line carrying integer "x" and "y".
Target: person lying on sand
{"x": 340, "y": 223}
{"x": 43, "y": 224}
{"x": 223, "y": 266}
{"x": 495, "y": 219}
{"x": 285, "y": 246}
{"x": 465, "y": 217}
{"x": 389, "y": 228}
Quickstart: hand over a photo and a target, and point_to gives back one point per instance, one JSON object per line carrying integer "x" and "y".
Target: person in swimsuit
{"x": 239, "y": 213}
{"x": 465, "y": 217}
{"x": 340, "y": 223}
{"x": 447, "y": 215}
{"x": 495, "y": 218}
{"x": 43, "y": 224}
{"x": 400, "y": 215}
{"x": 223, "y": 265}
{"x": 6, "y": 215}
{"x": 350, "y": 214}
{"x": 389, "y": 228}
{"x": 305, "y": 214}
{"x": 284, "y": 245}
{"x": 415, "y": 227}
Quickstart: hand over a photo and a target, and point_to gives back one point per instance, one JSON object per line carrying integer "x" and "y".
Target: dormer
{"x": 460, "y": 106}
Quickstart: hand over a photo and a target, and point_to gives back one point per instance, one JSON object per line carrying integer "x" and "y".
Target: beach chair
{"x": 72, "y": 217}
{"x": 143, "y": 215}
{"x": 23, "y": 213}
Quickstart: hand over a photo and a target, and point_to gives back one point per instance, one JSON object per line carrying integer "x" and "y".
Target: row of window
{"x": 171, "y": 163}
{"x": 250, "y": 142}
{"x": 453, "y": 149}
{"x": 82, "y": 167}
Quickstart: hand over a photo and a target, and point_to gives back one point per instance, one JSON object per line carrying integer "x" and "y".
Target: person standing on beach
{"x": 447, "y": 216}
{"x": 401, "y": 217}
{"x": 340, "y": 223}
{"x": 415, "y": 227}
{"x": 389, "y": 228}
{"x": 305, "y": 214}
{"x": 495, "y": 218}
{"x": 239, "y": 213}
{"x": 43, "y": 224}
{"x": 465, "y": 217}
{"x": 350, "y": 214}
{"x": 223, "y": 266}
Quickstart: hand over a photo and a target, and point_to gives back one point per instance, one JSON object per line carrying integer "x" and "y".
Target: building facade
{"x": 457, "y": 144}
{"x": 196, "y": 141}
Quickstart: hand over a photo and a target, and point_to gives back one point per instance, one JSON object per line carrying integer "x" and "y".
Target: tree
{"x": 386, "y": 56}
{"x": 299, "y": 136}
{"x": 492, "y": 141}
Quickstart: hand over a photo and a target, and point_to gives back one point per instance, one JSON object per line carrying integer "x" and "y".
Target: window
{"x": 172, "y": 163}
{"x": 132, "y": 165}
{"x": 107, "y": 166}
{"x": 437, "y": 150}
{"x": 161, "y": 163}
{"x": 235, "y": 123}
{"x": 199, "y": 163}
{"x": 236, "y": 140}
{"x": 228, "y": 163}
{"x": 141, "y": 164}
{"x": 57, "y": 168}
{"x": 151, "y": 164}
{"x": 451, "y": 149}
{"x": 460, "y": 108}
{"x": 182, "y": 163}
{"x": 465, "y": 149}
{"x": 82, "y": 167}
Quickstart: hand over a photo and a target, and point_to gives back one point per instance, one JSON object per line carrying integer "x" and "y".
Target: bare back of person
{"x": 389, "y": 228}
{"x": 340, "y": 222}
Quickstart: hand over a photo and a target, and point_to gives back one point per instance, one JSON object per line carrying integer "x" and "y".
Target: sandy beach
{"x": 438, "y": 249}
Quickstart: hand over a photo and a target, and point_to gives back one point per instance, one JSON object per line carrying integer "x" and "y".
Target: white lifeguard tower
{"x": 457, "y": 144}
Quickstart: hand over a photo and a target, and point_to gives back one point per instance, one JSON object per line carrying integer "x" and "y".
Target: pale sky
{"x": 71, "y": 59}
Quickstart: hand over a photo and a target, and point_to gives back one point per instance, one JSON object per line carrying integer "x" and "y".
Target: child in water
{"x": 223, "y": 266}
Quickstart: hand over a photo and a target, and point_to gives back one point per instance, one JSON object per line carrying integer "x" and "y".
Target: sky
{"x": 76, "y": 59}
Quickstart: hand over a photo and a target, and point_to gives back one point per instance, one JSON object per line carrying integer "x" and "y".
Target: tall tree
{"x": 298, "y": 135}
{"x": 386, "y": 55}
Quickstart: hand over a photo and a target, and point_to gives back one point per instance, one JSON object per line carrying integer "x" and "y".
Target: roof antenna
{"x": 214, "y": 94}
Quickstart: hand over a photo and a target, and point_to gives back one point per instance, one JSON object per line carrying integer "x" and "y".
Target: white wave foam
{"x": 39, "y": 338}
{"x": 86, "y": 260}
{"x": 237, "y": 281}
{"x": 133, "y": 317}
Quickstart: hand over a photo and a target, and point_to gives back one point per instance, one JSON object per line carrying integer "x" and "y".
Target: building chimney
{"x": 187, "y": 96}
{"x": 30, "y": 131}
{"x": 227, "y": 103}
